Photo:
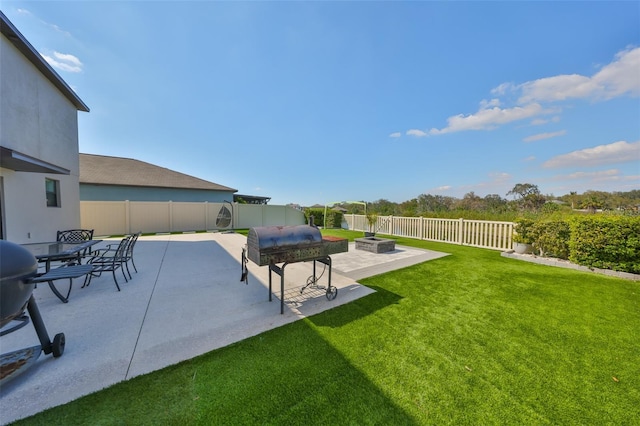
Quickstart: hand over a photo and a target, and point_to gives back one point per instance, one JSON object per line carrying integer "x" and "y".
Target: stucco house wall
{"x": 39, "y": 121}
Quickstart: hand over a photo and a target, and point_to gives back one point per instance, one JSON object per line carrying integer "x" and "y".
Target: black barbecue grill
{"x": 18, "y": 270}
{"x": 270, "y": 245}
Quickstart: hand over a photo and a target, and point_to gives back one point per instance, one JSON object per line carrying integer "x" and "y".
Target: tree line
{"x": 525, "y": 198}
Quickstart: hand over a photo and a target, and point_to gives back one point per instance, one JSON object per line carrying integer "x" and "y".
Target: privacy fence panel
{"x": 124, "y": 217}
{"x": 249, "y": 215}
{"x": 104, "y": 217}
{"x": 277, "y": 215}
{"x": 478, "y": 233}
{"x": 188, "y": 216}
{"x": 149, "y": 217}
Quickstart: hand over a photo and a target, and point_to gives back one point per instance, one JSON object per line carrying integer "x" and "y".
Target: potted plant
{"x": 372, "y": 219}
{"x": 523, "y": 236}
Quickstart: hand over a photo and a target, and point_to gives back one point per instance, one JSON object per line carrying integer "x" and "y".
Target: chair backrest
{"x": 132, "y": 243}
{"x": 75, "y": 235}
{"x": 121, "y": 251}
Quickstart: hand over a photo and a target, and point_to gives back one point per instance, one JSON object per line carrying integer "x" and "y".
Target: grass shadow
{"x": 290, "y": 375}
{"x": 358, "y": 309}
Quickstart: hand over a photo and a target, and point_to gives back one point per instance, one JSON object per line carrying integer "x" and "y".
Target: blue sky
{"x": 316, "y": 102}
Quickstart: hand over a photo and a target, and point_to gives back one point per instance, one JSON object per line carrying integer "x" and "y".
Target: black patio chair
{"x": 129, "y": 252}
{"x": 76, "y": 236}
{"x": 109, "y": 260}
{"x": 128, "y": 255}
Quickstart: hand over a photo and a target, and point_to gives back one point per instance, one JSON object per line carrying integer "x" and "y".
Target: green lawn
{"x": 471, "y": 338}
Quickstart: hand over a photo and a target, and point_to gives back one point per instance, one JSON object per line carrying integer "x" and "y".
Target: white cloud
{"x": 68, "y": 58}
{"x": 45, "y": 23}
{"x": 540, "y": 121}
{"x": 599, "y": 177}
{"x": 606, "y": 174}
{"x": 530, "y": 158}
{"x": 556, "y": 88}
{"x": 617, "y": 152}
{"x": 395, "y": 135}
{"x": 497, "y": 177}
{"x": 416, "y": 132}
{"x": 502, "y": 89}
{"x": 443, "y": 188}
{"x": 604, "y": 180}
{"x": 618, "y": 78}
{"x": 621, "y": 76}
{"x": 496, "y": 180}
{"x": 484, "y": 104}
{"x": 541, "y": 136}
{"x": 490, "y": 118}
{"x": 64, "y": 62}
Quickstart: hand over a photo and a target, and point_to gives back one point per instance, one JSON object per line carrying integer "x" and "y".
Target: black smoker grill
{"x": 18, "y": 269}
{"x": 269, "y": 245}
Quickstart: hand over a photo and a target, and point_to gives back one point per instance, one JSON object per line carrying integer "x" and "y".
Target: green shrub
{"x": 551, "y": 238}
{"x": 334, "y": 219}
{"x": 606, "y": 242}
{"x": 317, "y": 214}
{"x": 523, "y": 231}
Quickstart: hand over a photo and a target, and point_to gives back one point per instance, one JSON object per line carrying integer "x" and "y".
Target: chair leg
{"x": 115, "y": 280}
{"x": 70, "y": 285}
{"x": 59, "y": 295}
{"x": 87, "y": 280}
{"x": 127, "y": 266}
{"x": 134, "y": 265}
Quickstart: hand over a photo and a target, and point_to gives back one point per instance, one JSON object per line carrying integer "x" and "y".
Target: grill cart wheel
{"x": 332, "y": 292}
{"x": 58, "y": 345}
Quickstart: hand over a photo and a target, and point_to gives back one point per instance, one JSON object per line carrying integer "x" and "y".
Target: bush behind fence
{"x": 607, "y": 241}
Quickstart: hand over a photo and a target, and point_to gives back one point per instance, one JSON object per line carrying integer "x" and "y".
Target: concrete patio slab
{"x": 186, "y": 299}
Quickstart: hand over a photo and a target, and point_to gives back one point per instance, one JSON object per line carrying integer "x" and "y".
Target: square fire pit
{"x": 375, "y": 244}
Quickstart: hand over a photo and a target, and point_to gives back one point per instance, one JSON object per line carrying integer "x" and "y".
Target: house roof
{"x": 104, "y": 170}
{"x": 20, "y": 42}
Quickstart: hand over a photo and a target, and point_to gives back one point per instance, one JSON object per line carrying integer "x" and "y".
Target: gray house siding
{"x": 89, "y": 192}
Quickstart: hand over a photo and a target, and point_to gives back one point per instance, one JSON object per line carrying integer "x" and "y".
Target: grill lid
{"x": 17, "y": 265}
{"x": 277, "y": 244}
{"x": 275, "y": 238}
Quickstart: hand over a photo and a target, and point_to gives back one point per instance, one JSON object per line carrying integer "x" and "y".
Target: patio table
{"x": 48, "y": 252}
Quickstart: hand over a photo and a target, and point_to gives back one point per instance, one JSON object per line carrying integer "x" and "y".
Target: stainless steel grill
{"x": 270, "y": 245}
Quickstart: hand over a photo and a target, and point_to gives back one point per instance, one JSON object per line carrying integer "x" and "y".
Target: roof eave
{"x": 19, "y": 162}
{"x": 21, "y": 43}
{"x": 157, "y": 186}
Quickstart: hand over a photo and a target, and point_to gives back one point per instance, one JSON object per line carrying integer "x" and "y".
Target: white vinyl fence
{"x": 125, "y": 217}
{"x": 478, "y": 233}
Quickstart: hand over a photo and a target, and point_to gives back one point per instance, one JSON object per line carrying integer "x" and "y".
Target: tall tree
{"x": 528, "y": 196}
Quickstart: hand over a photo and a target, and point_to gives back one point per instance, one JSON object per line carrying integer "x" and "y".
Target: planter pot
{"x": 523, "y": 248}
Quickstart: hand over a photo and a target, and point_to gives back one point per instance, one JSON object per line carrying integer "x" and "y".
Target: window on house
{"x": 52, "y": 188}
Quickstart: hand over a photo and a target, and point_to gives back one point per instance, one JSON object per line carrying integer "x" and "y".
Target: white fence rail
{"x": 477, "y": 233}
{"x": 125, "y": 217}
